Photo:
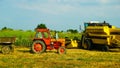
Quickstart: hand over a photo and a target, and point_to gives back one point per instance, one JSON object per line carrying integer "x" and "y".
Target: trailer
{"x": 6, "y": 44}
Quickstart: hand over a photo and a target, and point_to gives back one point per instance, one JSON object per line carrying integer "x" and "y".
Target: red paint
{"x": 50, "y": 44}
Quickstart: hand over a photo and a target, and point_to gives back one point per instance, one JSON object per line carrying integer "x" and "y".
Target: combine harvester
{"x": 100, "y": 34}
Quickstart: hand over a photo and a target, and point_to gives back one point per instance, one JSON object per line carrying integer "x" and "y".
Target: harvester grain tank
{"x": 100, "y": 34}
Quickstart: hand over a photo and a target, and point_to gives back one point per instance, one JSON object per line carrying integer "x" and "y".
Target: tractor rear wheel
{"x": 6, "y": 49}
{"x": 38, "y": 47}
{"x": 61, "y": 50}
{"x": 87, "y": 44}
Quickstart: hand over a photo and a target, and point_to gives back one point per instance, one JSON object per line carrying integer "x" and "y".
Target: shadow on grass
{"x": 99, "y": 48}
{"x": 24, "y": 51}
{"x": 29, "y": 51}
{"x": 114, "y": 50}
{"x": 1, "y": 52}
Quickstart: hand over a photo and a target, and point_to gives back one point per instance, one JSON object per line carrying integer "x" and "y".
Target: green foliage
{"x": 41, "y": 26}
{"x": 24, "y": 38}
{"x": 17, "y": 33}
{"x": 5, "y": 28}
{"x": 25, "y": 42}
{"x": 69, "y": 35}
{"x": 72, "y": 31}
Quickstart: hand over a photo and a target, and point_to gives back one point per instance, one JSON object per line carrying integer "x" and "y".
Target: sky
{"x": 57, "y": 14}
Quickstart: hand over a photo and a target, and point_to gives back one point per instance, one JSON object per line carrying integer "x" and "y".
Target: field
{"x": 75, "y": 58}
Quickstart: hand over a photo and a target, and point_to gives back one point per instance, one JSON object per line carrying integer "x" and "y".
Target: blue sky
{"x": 57, "y": 14}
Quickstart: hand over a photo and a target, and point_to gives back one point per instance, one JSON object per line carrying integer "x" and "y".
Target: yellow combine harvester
{"x": 100, "y": 34}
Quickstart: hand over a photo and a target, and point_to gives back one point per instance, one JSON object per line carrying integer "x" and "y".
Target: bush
{"x": 25, "y": 42}
{"x": 24, "y": 38}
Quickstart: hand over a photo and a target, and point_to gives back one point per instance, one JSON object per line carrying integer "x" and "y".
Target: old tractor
{"x": 43, "y": 41}
{"x": 100, "y": 34}
{"x": 7, "y": 44}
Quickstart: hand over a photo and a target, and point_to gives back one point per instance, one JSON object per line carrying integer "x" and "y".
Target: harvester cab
{"x": 43, "y": 42}
{"x": 96, "y": 23}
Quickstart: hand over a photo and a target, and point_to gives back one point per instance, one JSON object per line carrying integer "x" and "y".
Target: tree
{"x": 5, "y": 28}
{"x": 41, "y": 26}
{"x": 72, "y": 31}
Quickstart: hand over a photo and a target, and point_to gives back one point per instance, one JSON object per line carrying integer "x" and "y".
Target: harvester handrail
{"x": 99, "y": 35}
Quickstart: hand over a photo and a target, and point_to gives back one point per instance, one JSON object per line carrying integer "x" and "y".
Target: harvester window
{"x": 39, "y": 35}
{"x": 45, "y": 34}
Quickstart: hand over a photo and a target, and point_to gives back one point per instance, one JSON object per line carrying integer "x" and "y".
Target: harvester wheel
{"x": 6, "y": 49}
{"x": 61, "y": 50}
{"x": 38, "y": 47}
{"x": 87, "y": 44}
{"x": 105, "y": 48}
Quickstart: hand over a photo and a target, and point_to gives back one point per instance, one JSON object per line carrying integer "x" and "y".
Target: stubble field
{"x": 74, "y": 58}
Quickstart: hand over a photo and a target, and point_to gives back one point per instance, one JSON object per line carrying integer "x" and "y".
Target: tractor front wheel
{"x": 61, "y": 50}
{"x": 38, "y": 47}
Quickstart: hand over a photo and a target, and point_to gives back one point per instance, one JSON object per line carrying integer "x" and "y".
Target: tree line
{"x": 44, "y": 26}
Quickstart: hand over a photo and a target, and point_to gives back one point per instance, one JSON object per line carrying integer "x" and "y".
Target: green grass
{"x": 75, "y": 58}
{"x": 16, "y": 33}
{"x": 24, "y": 38}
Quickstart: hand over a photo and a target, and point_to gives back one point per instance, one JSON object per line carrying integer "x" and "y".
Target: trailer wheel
{"x": 12, "y": 48}
{"x": 87, "y": 44}
{"x": 105, "y": 48}
{"x": 38, "y": 47}
{"x": 61, "y": 50}
{"x": 6, "y": 49}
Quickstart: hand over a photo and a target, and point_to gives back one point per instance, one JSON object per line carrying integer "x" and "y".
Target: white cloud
{"x": 51, "y": 7}
{"x": 58, "y": 7}
{"x": 104, "y": 1}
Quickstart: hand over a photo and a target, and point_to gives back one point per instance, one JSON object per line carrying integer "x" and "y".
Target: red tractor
{"x": 43, "y": 42}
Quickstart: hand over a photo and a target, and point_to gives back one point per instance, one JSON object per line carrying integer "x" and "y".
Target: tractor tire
{"x": 38, "y": 47}
{"x": 6, "y": 49}
{"x": 61, "y": 50}
{"x": 105, "y": 48}
{"x": 87, "y": 44}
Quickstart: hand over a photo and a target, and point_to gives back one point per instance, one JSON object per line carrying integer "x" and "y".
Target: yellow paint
{"x": 99, "y": 32}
